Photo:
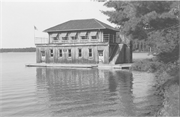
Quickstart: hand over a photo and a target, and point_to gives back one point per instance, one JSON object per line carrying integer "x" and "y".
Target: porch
{"x": 106, "y": 38}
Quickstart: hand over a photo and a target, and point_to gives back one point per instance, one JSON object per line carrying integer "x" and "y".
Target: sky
{"x": 18, "y": 18}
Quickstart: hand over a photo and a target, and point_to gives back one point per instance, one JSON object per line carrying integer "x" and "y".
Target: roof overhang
{"x": 116, "y": 30}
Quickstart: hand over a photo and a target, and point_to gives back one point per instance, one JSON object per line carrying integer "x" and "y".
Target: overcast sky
{"x": 19, "y": 18}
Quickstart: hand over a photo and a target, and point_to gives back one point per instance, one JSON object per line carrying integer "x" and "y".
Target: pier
{"x": 100, "y": 66}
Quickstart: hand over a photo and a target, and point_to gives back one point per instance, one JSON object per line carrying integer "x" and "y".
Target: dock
{"x": 99, "y": 66}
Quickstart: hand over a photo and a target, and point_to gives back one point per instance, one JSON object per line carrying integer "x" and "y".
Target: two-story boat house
{"x": 88, "y": 41}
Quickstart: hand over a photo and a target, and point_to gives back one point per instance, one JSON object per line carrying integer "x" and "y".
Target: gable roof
{"x": 85, "y": 24}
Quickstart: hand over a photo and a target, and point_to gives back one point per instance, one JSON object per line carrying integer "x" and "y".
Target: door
{"x": 101, "y": 56}
{"x": 43, "y": 56}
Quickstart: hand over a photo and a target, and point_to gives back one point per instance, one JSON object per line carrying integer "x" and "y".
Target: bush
{"x": 147, "y": 65}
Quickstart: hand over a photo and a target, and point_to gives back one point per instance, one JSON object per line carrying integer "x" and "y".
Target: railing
{"x": 84, "y": 40}
{"x": 75, "y": 41}
{"x": 106, "y": 37}
{"x": 41, "y": 40}
{"x": 109, "y": 38}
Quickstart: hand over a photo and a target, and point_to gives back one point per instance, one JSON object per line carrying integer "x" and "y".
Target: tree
{"x": 156, "y": 22}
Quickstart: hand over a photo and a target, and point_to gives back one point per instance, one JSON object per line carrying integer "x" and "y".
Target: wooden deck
{"x": 100, "y": 66}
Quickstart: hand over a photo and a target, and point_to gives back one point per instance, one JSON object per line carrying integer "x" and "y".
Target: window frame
{"x": 65, "y": 38}
{"x": 79, "y": 52}
{"x": 90, "y": 52}
{"x": 85, "y": 37}
{"x": 74, "y": 37}
{"x": 94, "y": 38}
{"x": 51, "y": 53}
{"x": 60, "y": 53}
{"x": 69, "y": 53}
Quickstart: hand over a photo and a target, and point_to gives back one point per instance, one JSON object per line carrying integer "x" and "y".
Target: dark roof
{"x": 84, "y": 24}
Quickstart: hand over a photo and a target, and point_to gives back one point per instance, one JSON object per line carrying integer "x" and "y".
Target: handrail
{"x": 43, "y": 40}
{"x": 112, "y": 51}
{"x": 40, "y": 40}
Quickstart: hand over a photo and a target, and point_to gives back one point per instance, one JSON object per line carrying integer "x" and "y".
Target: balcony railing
{"x": 41, "y": 40}
{"x": 106, "y": 38}
{"x": 75, "y": 41}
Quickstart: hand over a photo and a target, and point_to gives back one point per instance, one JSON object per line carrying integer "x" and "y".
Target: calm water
{"x": 49, "y": 92}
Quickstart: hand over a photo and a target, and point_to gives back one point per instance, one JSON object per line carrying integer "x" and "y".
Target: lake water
{"x": 54, "y": 92}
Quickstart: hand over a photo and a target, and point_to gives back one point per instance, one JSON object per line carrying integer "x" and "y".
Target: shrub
{"x": 147, "y": 65}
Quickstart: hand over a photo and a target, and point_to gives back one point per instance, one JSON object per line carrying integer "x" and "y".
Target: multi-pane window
{"x": 51, "y": 52}
{"x": 90, "y": 52}
{"x": 80, "y": 52}
{"x": 69, "y": 52}
{"x": 60, "y": 53}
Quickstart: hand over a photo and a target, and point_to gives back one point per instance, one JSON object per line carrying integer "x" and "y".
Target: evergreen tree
{"x": 156, "y": 22}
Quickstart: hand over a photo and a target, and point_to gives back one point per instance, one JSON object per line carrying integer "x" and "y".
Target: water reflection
{"x": 88, "y": 92}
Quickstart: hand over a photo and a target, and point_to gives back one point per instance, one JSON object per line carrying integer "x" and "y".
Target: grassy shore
{"x": 31, "y": 49}
{"x": 167, "y": 81}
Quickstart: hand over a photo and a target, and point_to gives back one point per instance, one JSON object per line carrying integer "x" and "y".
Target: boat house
{"x": 86, "y": 41}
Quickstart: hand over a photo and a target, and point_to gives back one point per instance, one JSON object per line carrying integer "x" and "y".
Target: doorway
{"x": 101, "y": 56}
{"x": 43, "y": 56}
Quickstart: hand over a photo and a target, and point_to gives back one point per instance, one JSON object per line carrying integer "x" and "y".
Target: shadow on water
{"x": 93, "y": 92}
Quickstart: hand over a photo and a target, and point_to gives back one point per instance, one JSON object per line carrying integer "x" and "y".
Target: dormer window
{"x": 64, "y": 36}
{"x": 84, "y": 35}
{"x": 73, "y": 35}
{"x": 94, "y": 35}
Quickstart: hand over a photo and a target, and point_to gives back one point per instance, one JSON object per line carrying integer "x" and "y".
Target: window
{"x": 51, "y": 52}
{"x": 69, "y": 52}
{"x": 74, "y": 38}
{"x": 84, "y": 37}
{"x": 73, "y": 35}
{"x": 60, "y": 53}
{"x": 94, "y": 34}
{"x": 90, "y": 52}
{"x": 80, "y": 52}
{"x": 64, "y": 38}
{"x": 54, "y": 36}
{"x": 93, "y": 37}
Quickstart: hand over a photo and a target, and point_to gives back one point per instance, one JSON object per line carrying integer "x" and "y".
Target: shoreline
{"x": 167, "y": 85}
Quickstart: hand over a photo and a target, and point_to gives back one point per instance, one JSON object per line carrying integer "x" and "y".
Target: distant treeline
{"x": 32, "y": 49}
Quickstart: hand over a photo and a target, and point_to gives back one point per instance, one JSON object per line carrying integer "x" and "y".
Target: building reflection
{"x": 65, "y": 88}
{"x": 71, "y": 77}
{"x": 83, "y": 78}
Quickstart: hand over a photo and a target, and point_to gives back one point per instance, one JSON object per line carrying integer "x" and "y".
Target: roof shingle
{"x": 85, "y": 24}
